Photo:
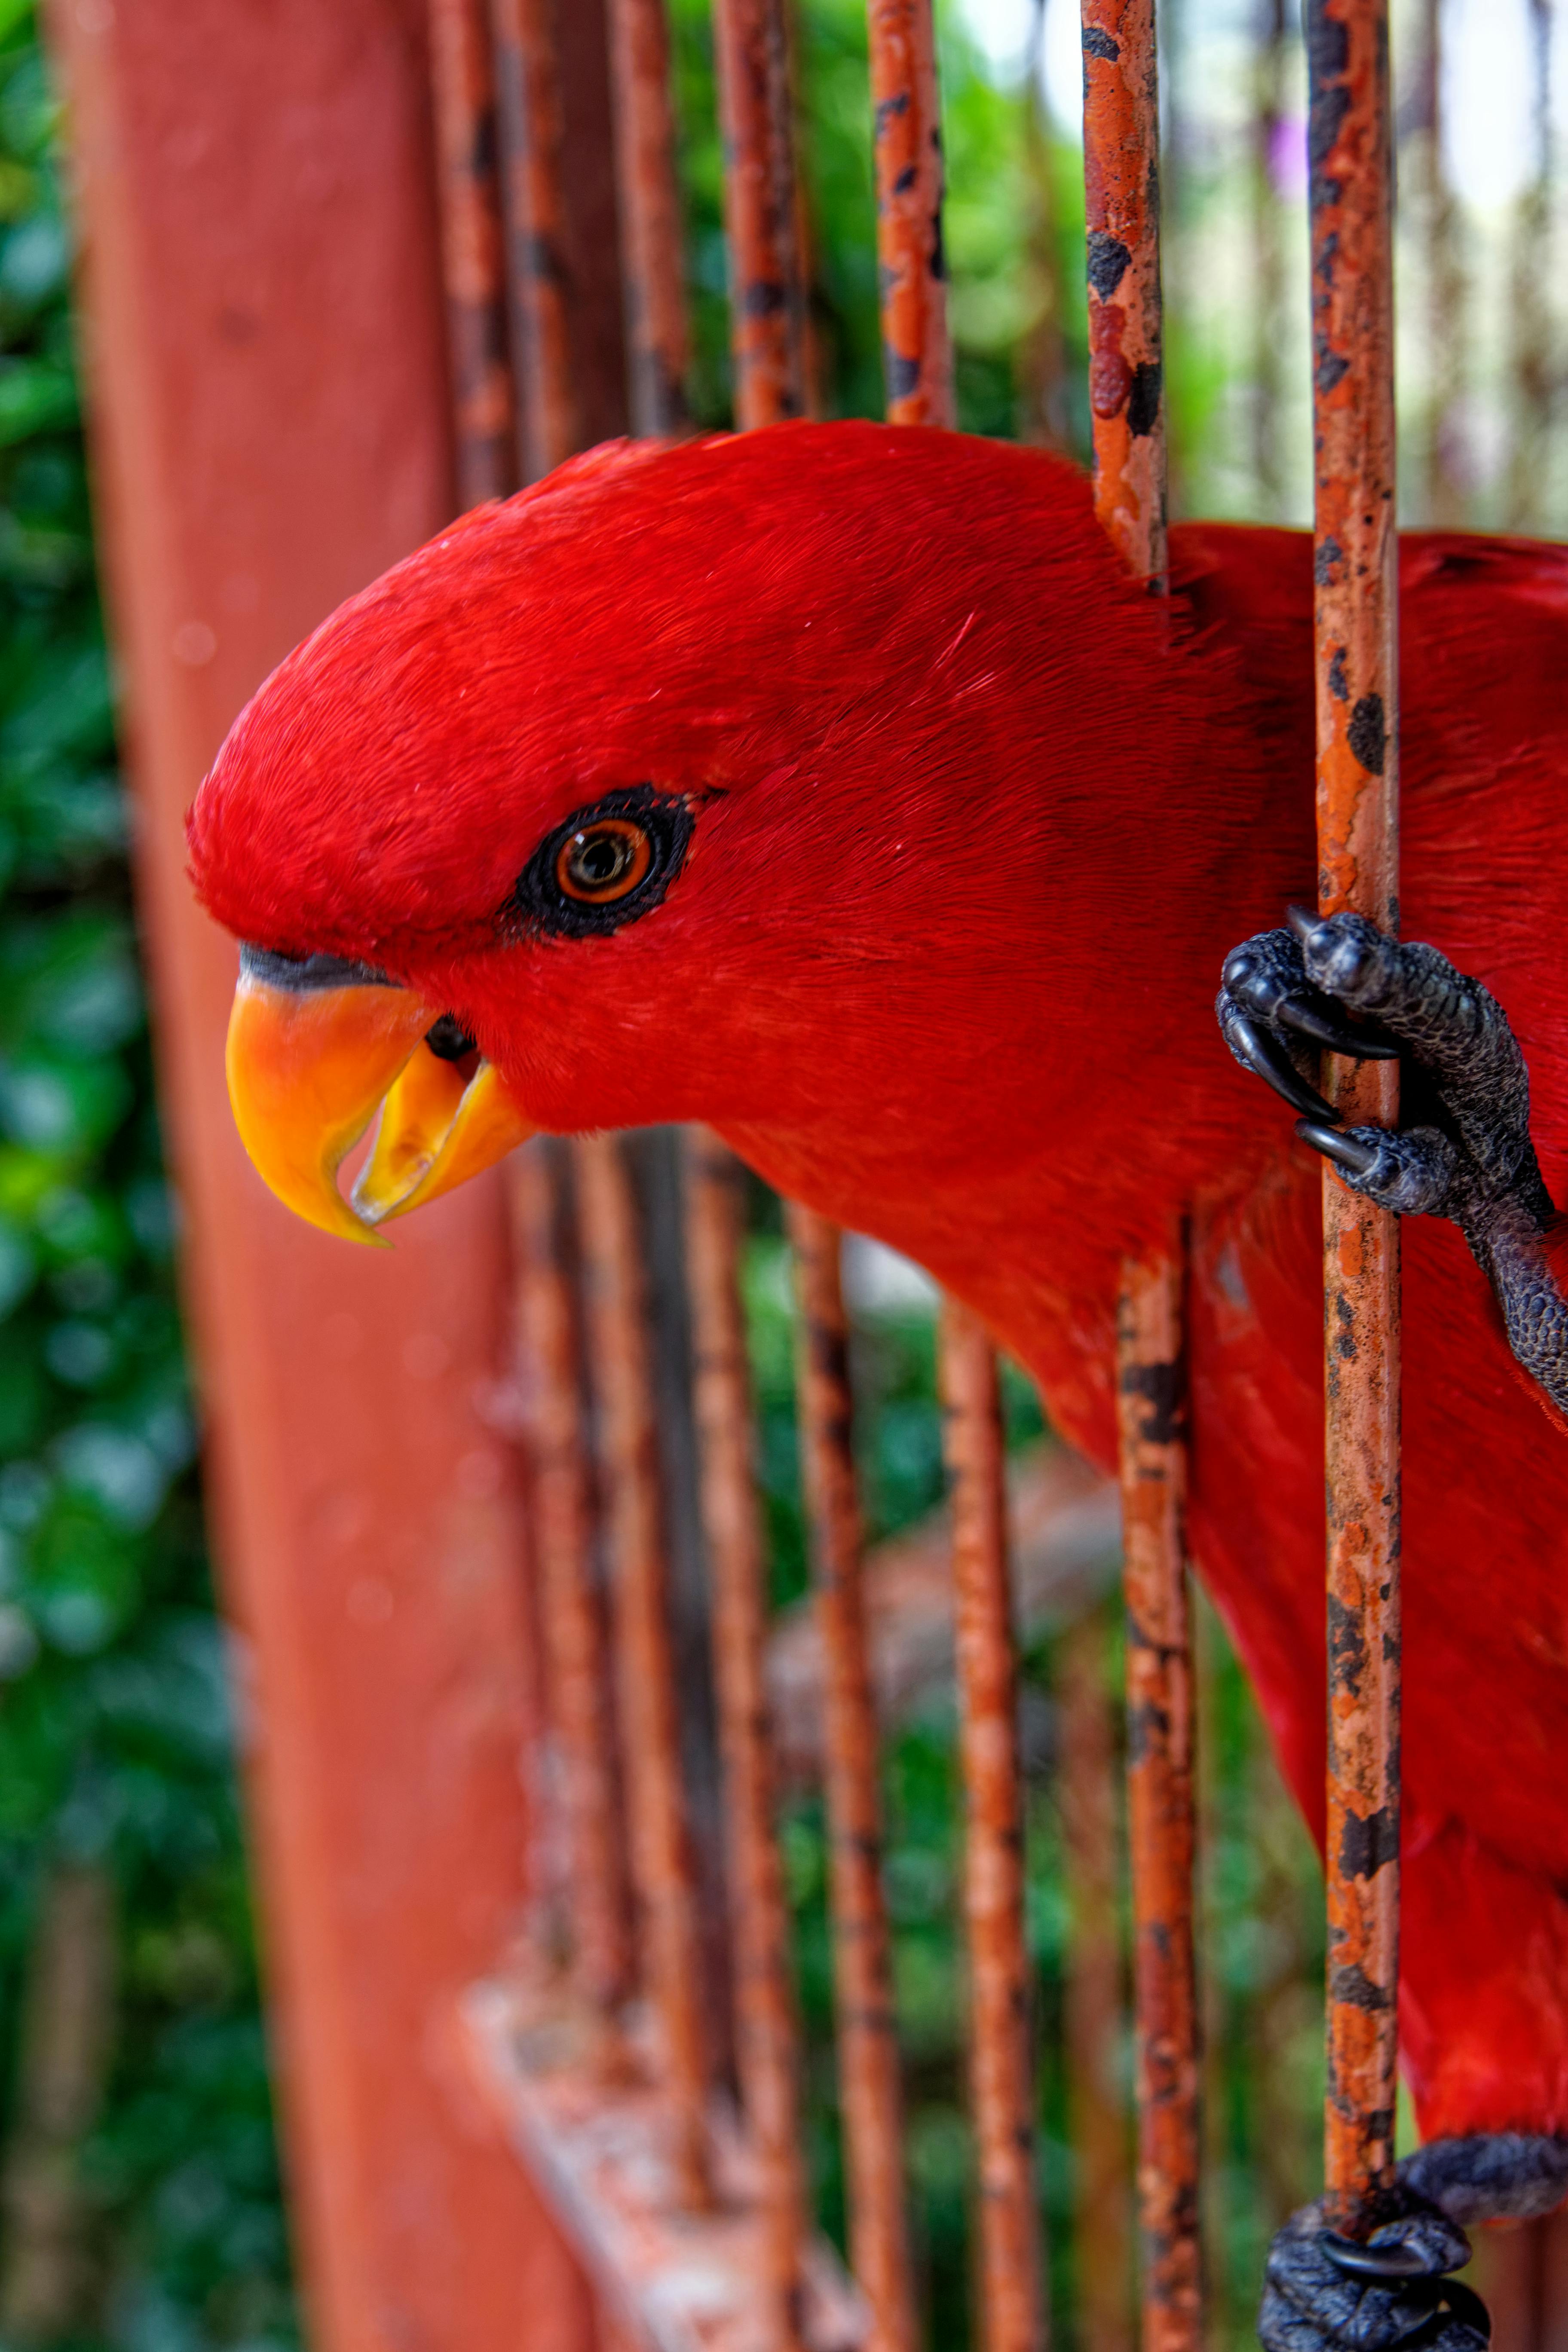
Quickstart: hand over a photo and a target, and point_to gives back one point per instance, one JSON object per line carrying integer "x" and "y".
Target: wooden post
{"x": 1351, "y": 198}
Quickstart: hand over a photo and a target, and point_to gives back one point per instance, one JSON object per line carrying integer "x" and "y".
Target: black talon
{"x": 1393, "y": 2262}
{"x": 1346, "y": 1152}
{"x": 1468, "y": 2309}
{"x": 1336, "y": 1035}
{"x": 1268, "y": 1058}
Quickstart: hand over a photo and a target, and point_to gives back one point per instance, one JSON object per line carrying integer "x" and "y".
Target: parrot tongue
{"x": 316, "y": 1049}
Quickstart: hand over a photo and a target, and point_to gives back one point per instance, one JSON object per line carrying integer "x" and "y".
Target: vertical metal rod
{"x": 917, "y": 353}
{"x": 767, "y": 292}
{"x": 1097, "y": 2115}
{"x": 529, "y": 116}
{"x": 1001, "y": 2072}
{"x": 870, "y": 2088}
{"x": 767, "y": 327}
{"x": 1535, "y": 375}
{"x": 917, "y": 359}
{"x": 651, "y": 229}
{"x": 1446, "y": 465}
{"x": 1121, "y": 198}
{"x": 767, "y": 2031}
{"x": 1151, "y": 1405}
{"x": 472, "y": 260}
{"x": 1127, "y": 405}
{"x": 563, "y": 1531}
{"x": 662, "y": 1868}
{"x": 1351, "y": 198}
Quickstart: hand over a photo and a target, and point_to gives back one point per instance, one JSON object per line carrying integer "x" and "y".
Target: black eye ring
{"x": 605, "y": 865}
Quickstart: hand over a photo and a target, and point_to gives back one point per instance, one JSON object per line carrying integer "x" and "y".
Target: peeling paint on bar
{"x": 868, "y": 2085}
{"x": 1358, "y": 838}
{"x": 767, "y": 2028}
{"x": 586, "y": 1781}
{"x": 917, "y": 353}
{"x": 767, "y": 294}
{"x": 1000, "y": 2056}
{"x": 1152, "y": 1388}
{"x": 662, "y": 1868}
{"x": 1122, "y": 195}
{"x": 652, "y": 232}
{"x": 1126, "y": 381}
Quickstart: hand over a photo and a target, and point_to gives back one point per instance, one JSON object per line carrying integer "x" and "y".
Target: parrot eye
{"x": 603, "y": 862}
{"x": 605, "y": 867}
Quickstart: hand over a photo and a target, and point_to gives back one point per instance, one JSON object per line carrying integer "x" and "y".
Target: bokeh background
{"x": 142, "y": 2206}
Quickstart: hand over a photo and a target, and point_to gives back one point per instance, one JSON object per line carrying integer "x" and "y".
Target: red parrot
{"x": 832, "y": 786}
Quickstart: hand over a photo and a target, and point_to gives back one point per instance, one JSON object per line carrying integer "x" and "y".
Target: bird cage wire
{"x": 659, "y": 1993}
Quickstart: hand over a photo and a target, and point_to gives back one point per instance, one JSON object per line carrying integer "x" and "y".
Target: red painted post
{"x": 264, "y": 331}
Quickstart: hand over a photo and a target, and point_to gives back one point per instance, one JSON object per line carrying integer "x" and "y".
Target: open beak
{"x": 316, "y": 1049}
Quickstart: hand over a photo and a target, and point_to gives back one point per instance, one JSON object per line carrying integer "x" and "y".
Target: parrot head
{"x": 762, "y": 780}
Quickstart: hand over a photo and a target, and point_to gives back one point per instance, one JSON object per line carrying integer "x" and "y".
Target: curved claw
{"x": 1346, "y": 1152}
{"x": 1263, "y": 1054}
{"x": 1465, "y": 2305}
{"x": 1398, "y": 2261}
{"x": 1298, "y": 1012}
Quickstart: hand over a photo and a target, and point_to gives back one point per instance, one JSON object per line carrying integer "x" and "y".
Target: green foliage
{"x": 115, "y": 1738}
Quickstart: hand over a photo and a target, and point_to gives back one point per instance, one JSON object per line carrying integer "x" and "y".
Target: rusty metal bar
{"x": 471, "y": 249}
{"x": 538, "y": 1193}
{"x": 767, "y": 328}
{"x": 917, "y": 353}
{"x": 1151, "y": 1403}
{"x": 869, "y": 2089}
{"x": 1121, "y": 201}
{"x": 1092, "y": 1994}
{"x": 662, "y": 1870}
{"x": 767, "y": 293}
{"x": 531, "y": 135}
{"x": 1351, "y": 198}
{"x": 767, "y": 2031}
{"x": 1002, "y": 2076}
{"x": 659, "y": 342}
{"x": 1127, "y": 405}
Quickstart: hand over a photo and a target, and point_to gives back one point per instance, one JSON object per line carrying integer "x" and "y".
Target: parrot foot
{"x": 1323, "y": 2293}
{"x": 1337, "y": 981}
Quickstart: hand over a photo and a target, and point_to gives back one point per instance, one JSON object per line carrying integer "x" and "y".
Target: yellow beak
{"x": 311, "y": 1063}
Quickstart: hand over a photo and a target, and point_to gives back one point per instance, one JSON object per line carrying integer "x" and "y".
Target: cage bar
{"x": 570, "y": 1610}
{"x": 917, "y": 355}
{"x": 870, "y": 2092}
{"x": 1121, "y": 212}
{"x": 1001, "y": 2072}
{"x": 662, "y": 1871}
{"x": 768, "y": 316}
{"x": 1152, "y": 1414}
{"x": 1126, "y": 406}
{"x": 652, "y": 237}
{"x": 1355, "y": 610}
{"x": 767, "y": 2030}
{"x": 917, "y": 351}
{"x": 532, "y": 136}
{"x": 767, "y": 289}
{"x": 1092, "y": 1995}
{"x": 463, "y": 86}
